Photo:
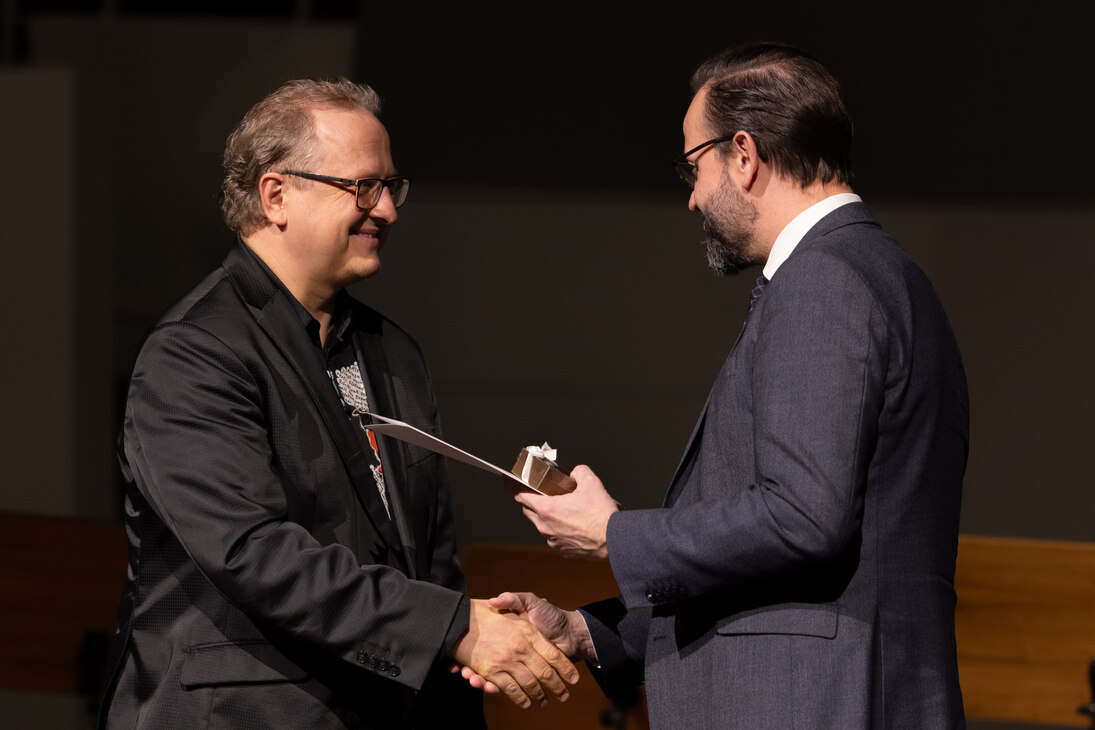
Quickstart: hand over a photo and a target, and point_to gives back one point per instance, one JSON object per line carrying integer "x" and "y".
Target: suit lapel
{"x": 851, "y": 213}
{"x": 378, "y": 384}
{"x": 278, "y": 318}
{"x": 684, "y": 468}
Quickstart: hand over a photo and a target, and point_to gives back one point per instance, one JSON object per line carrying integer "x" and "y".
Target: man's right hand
{"x": 505, "y": 650}
{"x": 566, "y": 629}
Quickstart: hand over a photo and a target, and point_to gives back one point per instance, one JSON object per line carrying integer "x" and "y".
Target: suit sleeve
{"x": 198, "y": 445}
{"x": 619, "y": 638}
{"x": 816, "y": 387}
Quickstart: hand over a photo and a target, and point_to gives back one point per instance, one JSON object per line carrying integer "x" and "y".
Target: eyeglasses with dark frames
{"x": 366, "y": 189}
{"x": 684, "y": 167}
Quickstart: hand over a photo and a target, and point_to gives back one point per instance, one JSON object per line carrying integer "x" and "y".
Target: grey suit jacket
{"x": 268, "y": 586}
{"x": 800, "y": 574}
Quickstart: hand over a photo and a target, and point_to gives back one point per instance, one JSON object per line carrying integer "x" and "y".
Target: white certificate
{"x": 410, "y": 434}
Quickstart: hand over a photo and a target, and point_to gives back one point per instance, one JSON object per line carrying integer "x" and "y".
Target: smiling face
{"x": 330, "y": 242}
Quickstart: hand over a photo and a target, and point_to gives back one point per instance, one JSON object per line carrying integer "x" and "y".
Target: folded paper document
{"x": 538, "y": 476}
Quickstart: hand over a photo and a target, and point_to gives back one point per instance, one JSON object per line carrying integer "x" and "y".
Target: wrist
{"x": 601, "y": 553}
{"x": 458, "y": 628}
{"x": 582, "y": 641}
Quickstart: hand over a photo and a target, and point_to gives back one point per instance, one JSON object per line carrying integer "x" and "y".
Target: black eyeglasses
{"x": 684, "y": 167}
{"x": 367, "y": 189}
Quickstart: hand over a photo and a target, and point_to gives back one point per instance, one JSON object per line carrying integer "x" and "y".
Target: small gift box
{"x": 536, "y": 466}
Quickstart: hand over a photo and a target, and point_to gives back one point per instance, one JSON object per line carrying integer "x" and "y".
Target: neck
{"x": 785, "y": 199}
{"x": 317, "y": 300}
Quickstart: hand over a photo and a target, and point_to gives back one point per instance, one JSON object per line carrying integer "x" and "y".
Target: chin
{"x": 357, "y": 270}
{"x": 365, "y": 269}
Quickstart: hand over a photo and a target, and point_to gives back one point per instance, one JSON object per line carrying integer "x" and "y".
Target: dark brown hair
{"x": 788, "y": 102}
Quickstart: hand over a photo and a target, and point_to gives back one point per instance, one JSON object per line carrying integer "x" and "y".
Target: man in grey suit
{"x": 800, "y": 572}
{"x": 287, "y": 567}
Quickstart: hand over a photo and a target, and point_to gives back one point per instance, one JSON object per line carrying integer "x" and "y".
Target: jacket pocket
{"x": 795, "y": 619}
{"x": 231, "y": 663}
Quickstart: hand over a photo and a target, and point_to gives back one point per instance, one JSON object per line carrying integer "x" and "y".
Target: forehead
{"x": 695, "y": 123}
{"x": 351, "y": 137}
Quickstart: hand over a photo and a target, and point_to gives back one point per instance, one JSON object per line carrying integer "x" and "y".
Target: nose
{"x": 385, "y": 209}
{"x": 692, "y": 202}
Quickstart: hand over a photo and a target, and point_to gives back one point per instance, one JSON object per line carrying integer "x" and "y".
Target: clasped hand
{"x": 565, "y": 630}
{"x": 520, "y": 644}
{"x": 507, "y": 654}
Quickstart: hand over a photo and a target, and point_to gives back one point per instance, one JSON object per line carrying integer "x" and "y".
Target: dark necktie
{"x": 758, "y": 289}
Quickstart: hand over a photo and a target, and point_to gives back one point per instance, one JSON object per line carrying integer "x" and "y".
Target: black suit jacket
{"x": 267, "y": 585}
{"x": 801, "y": 572}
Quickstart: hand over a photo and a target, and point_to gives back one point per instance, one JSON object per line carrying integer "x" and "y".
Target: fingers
{"x": 506, "y": 602}
{"x": 515, "y": 487}
{"x": 528, "y": 499}
{"x": 509, "y": 602}
{"x": 562, "y": 669}
{"x": 542, "y": 680}
{"x": 514, "y": 687}
{"x": 504, "y": 649}
{"x": 581, "y": 472}
{"x": 476, "y": 681}
{"x": 514, "y": 680}
{"x": 539, "y": 673}
{"x": 538, "y": 668}
{"x": 534, "y": 517}
{"x": 541, "y": 668}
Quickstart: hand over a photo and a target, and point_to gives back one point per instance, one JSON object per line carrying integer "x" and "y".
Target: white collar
{"x": 793, "y": 232}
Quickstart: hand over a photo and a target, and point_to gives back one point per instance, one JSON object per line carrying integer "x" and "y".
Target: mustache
{"x": 708, "y": 226}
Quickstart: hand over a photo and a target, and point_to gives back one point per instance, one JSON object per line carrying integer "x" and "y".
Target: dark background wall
{"x": 949, "y": 98}
{"x": 972, "y": 146}
{"x": 546, "y": 260}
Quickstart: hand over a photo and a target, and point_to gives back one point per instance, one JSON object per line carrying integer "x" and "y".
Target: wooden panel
{"x": 1025, "y": 623}
{"x": 62, "y": 579}
{"x": 1025, "y": 617}
{"x": 1026, "y": 628}
{"x": 492, "y": 569}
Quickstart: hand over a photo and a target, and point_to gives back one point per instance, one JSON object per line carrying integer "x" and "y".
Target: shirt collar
{"x": 340, "y": 323}
{"x": 791, "y": 235}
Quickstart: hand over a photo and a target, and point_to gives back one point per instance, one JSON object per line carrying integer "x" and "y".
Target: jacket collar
{"x": 798, "y": 228}
{"x": 278, "y": 315}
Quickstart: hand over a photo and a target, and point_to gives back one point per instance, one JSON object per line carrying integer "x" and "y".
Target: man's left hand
{"x": 574, "y": 524}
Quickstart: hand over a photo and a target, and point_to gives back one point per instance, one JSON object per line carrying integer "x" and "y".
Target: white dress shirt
{"x": 793, "y": 232}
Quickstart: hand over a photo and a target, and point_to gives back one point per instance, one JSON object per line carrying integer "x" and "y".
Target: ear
{"x": 742, "y": 158}
{"x": 272, "y": 198}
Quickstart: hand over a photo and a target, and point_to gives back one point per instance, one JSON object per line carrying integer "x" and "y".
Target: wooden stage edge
{"x": 1025, "y": 618}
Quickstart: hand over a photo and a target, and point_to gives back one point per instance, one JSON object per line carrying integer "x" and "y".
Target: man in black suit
{"x": 800, "y": 573}
{"x": 287, "y": 566}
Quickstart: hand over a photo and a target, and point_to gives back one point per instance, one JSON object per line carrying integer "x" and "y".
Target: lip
{"x": 371, "y": 237}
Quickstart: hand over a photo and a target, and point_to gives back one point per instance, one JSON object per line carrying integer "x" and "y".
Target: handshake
{"x": 518, "y": 643}
{"x": 521, "y": 645}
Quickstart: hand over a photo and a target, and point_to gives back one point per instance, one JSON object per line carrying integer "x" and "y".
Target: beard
{"x": 731, "y": 233}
